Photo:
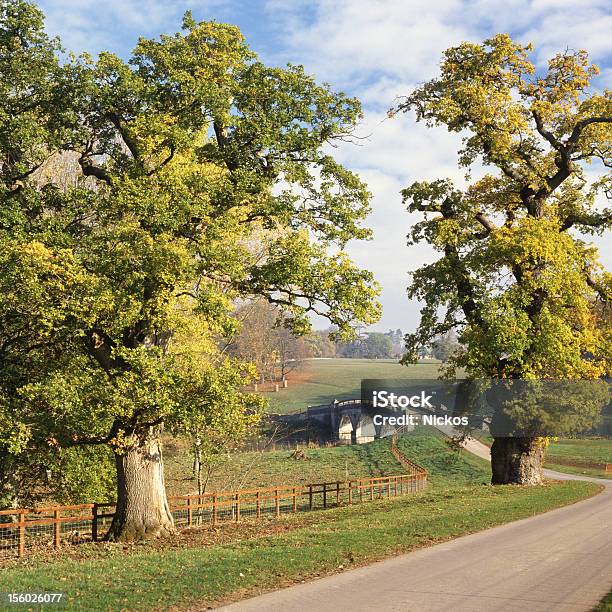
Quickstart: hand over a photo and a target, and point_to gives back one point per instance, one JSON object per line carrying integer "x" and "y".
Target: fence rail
{"x": 22, "y": 529}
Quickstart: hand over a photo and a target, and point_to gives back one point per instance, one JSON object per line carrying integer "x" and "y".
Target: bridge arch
{"x": 365, "y": 430}
{"x": 345, "y": 429}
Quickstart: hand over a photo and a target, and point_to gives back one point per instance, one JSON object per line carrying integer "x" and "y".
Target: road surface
{"x": 560, "y": 561}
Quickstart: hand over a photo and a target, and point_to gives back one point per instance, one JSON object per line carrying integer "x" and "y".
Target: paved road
{"x": 560, "y": 561}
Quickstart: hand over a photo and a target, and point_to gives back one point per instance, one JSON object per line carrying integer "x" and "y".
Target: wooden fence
{"x": 55, "y": 526}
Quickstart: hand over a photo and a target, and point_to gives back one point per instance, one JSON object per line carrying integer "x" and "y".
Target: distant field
{"x": 582, "y": 450}
{"x": 323, "y": 380}
{"x": 574, "y": 456}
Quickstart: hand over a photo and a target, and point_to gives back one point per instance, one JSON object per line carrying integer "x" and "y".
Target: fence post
{"x": 310, "y": 497}
{"x": 277, "y": 501}
{"x": 258, "y": 504}
{"x": 371, "y": 489}
{"x": 337, "y": 493}
{"x": 294, "y": 500}
{"x": 325, "y": 495}
{"x": 214, "y": 512}
{"x": 350, "y": 493}
{"x": 94, "y": 523}
{"x": 237, "y": 507}
{"x": 189, "y": 512}
{"x": 56, "y": 528}
{"x": 21, "y": 551}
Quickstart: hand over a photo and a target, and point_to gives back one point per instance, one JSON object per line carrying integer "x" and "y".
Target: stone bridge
{"x": 349, "y": 421}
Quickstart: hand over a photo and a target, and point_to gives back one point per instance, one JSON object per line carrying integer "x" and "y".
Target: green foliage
{"x": 373, "y": 345}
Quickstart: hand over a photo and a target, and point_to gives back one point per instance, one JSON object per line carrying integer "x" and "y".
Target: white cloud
{"x": 91, "y": 25}
{"x": 380, "y": 50}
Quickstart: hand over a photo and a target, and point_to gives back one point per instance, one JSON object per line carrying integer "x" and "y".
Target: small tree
{"x": 515, "y": 277}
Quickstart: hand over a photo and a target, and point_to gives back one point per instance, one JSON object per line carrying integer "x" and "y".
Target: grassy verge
{"x": 339, "y": 539}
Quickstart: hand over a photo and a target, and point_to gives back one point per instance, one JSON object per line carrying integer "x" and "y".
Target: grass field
{"x": 265, "y": 469}
{"x": 574, "y": 456}
{"x": 210, "y": 566}
{"x": 323, "y": 380}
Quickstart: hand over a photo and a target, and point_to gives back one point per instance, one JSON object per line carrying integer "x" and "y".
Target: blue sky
{"x": 376, "y": 50}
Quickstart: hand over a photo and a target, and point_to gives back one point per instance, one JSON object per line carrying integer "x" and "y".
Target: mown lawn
{"x": 324, "y": 380}
{"x": 241, "y": 561}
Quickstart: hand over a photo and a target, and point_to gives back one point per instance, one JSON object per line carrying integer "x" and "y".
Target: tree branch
{"x": 484, "y": 221}
{"x": 89, "y": 169}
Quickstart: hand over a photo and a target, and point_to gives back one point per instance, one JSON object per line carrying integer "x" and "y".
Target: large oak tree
{"x": 121, "y": 279}
{"x": 516, "y": 276}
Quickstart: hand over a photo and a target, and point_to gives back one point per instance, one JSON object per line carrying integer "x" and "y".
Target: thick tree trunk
{"x": 517, "y": 461}
{"x": 142, "y": 507}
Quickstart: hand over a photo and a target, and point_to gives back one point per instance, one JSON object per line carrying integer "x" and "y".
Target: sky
{"x": 376, "y": 50}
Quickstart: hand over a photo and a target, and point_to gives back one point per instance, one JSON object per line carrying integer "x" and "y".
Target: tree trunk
{"x": 142, "y": 507}
{"x": 517, "y": 461}
{"x": 197, "y": 463}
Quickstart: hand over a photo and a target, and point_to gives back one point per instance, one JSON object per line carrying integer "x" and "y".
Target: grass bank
{"x": 266, "y": 469}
